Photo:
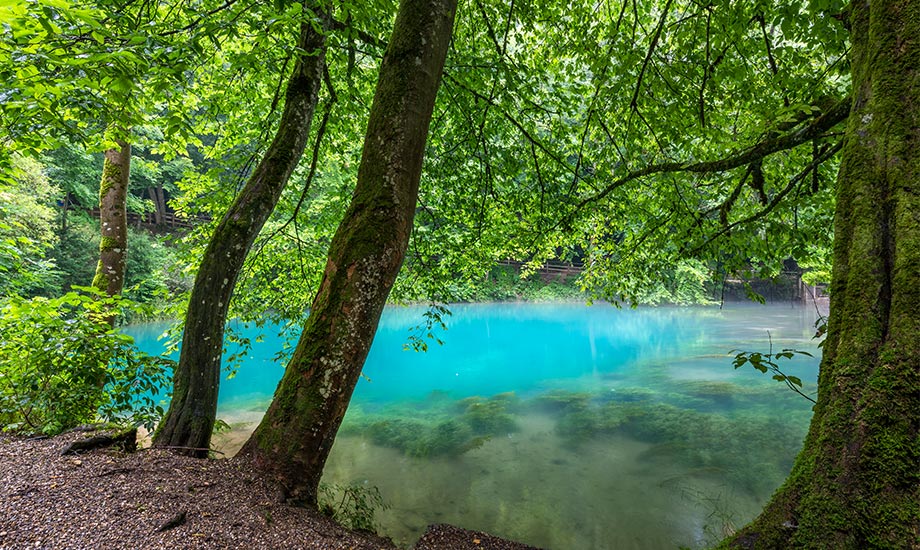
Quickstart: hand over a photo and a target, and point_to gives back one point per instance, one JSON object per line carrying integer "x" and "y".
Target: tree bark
{"x": 125, "y": 439}
{"x": 856, "y": 482}
{"x": 159, "y": 203}
{"x": 113, "y": 220}
{"x": 190, "y": 418}
{"x": 294, "y": 438}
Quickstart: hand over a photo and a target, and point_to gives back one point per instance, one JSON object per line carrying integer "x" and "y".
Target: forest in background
{"x": 51, "y": 234}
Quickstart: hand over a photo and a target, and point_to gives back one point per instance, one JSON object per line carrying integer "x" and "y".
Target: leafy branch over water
{"x": 766, "y": 362}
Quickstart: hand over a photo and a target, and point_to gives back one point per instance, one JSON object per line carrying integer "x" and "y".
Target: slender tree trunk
{"x": 64, "y": 209}
{"x": 113, "y": 219}
{"x": 296, "y": 434}
{"x": 159, "y": 203}
{"x": 190, "y": 418}
{"x": 856, "y": 482}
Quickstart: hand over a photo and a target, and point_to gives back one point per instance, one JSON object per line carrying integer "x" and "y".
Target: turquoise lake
{"x": 561, "y": 425}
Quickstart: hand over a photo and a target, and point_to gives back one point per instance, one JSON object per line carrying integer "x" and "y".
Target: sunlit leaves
{"x": 543, "y": 105}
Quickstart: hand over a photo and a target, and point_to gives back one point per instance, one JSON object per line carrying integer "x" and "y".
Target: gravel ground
{"x": 442, "y": 536}
{"x": 110, "y": 499}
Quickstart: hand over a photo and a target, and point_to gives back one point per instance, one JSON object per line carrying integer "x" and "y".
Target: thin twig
{"x": 648, "y": 56}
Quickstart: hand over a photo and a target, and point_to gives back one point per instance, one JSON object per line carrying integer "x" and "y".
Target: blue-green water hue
{"x": 611, "y": 428}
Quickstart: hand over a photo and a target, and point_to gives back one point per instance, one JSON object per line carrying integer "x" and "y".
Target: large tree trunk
{"x": 113, "y": 220}
{"x": 190, "y": 418}
{"x": 856, "y": 482}
{"x": 296, "y": 434}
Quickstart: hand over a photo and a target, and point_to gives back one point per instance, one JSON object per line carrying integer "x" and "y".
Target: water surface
{"x": 561, "y": 425}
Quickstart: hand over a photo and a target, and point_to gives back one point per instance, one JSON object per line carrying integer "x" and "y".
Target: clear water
{"x": 562, "y": 425}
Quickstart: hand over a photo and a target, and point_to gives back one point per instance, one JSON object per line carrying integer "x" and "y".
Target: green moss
{"x": 447, "y": 438}
{"x": 421, "y": 439}
{"x": 437, "y": 426}
{"x": 489, "y": 416}
{"x": 578, "y": 424}
{"x": 110, "y": 243}
{"x": 629, "y": 395}
{"x": 560, "y": 400}
{"x": 398, "y": 433}
{"x": 101, "y": 279}
{"x": 583, "y": 421}
{"x": 709, "y": 394}
{"x": 111, "y": 176}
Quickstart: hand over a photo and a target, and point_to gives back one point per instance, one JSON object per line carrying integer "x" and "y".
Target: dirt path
{"x": 109, "y": 499}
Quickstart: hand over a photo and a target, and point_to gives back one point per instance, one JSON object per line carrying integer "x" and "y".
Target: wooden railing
{"x": 552, "y": 267}
{"x": 167, "y": 219}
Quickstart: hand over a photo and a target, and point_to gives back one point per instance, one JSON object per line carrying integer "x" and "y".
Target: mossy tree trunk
{"x": 856, "y": 482}
{"x": 188, "y": 423}
{"x": 113, "y": 220}
{"x": 296, "y": 434}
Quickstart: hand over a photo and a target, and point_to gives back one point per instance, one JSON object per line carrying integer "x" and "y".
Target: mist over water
{"x": 561, "y": 425}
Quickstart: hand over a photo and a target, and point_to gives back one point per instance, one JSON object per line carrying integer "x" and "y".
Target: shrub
{"x": 62, "y": 365}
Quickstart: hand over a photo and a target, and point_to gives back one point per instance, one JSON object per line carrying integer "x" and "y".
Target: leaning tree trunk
{"x": 856, "y": 482}
{"x": 296, "y": 434}
{"x": 113, "y": 220}
{"x": 188, "y": 422}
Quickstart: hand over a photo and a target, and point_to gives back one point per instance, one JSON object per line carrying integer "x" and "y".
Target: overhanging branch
{"x": 813, "y": 166}
{"x": 765, "y": 148}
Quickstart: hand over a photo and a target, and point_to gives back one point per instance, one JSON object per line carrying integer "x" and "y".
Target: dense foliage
{"x": 63, "y": 365}
{"x": 557, "y": 136}
{"x": 26, "y": 229}
{"x": 545, "y": 121}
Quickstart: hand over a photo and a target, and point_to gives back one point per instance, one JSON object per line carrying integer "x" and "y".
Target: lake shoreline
{"x": 597, "y": 408}
{"x": 158, "y": 500}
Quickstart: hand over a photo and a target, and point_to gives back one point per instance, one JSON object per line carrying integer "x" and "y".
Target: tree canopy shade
{"x": 295, "y": 436}
{"x": 628, "y": 135}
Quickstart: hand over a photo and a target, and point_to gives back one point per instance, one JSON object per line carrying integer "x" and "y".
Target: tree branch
{"x": 514, "y": 122}
{"x": 648, "y": 56}
{"x": 365, "y": 37}
{"x": 200, "y": 18}
{"x": 830, "y": 152}
{"x": 826, "y": 121}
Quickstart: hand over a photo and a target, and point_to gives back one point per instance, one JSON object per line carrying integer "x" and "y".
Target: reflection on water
{"x": 564, "y": 426}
